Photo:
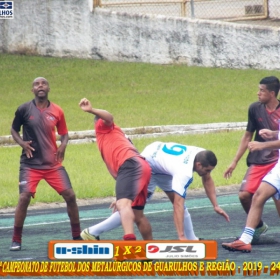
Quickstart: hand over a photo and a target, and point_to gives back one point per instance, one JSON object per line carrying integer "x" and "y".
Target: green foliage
{"x": 136, "y": 94}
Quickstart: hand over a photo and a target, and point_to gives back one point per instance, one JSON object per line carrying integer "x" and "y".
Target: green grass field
{"x": 137, "y": 95}
{"x": 90, "y": 177}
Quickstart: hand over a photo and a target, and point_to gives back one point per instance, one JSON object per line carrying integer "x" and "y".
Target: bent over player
{"x": 130, "y": 170}
{"x": 41, "y": 158}
{"x": 172, "y": 166}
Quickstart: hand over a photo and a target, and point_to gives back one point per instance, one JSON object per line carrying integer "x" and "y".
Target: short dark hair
{"x": 206, "y": 158}
{"x": 272, "y": 84}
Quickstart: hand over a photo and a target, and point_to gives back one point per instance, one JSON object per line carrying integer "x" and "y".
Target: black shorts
{"x": 133, "y": 180}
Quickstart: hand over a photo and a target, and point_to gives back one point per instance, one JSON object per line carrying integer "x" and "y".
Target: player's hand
{"x": 113, "y": 206}
{"x": 220, "y": 211}
{"x": 267, "y": 134}
{"x": 59, "y": 155}
{"x": 85, "y": 105}
{"x": 28, "y": 149}
{"x": 255, "y": 146}
{"x": 228, "y": 172}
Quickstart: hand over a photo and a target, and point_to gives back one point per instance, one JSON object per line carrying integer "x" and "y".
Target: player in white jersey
{"x": 269, "y": 187}
{"x": 175, "y": 160}
{"x": 172, "y": 166}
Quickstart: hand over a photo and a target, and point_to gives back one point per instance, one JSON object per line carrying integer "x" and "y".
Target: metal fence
{"x": 228, "y": 10}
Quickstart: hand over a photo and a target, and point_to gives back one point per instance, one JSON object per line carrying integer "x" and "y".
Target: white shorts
{"x": 163, "y": 181}
{"x": 273, "y": 179}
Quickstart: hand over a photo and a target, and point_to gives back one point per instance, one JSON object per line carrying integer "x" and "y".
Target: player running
{"x": 172, "y": 166}
{"x": 263, "y": 114}
{"x": 269, "y": 187}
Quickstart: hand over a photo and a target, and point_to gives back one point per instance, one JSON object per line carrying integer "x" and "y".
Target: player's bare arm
{"x": 209, "y": 187}
{"x": 61, "y": 149}
{"x": 246, "y": 138}
{"x": 257, "y": 146}
{"x": 86, "y": 106}
{"x": 268, "y": 134}
{"x": 26, "y": 145}
{"x": 178, "y": 214}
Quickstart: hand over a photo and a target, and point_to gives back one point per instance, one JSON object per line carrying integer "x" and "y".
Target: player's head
{"x": 271, "y": 84}
{"x": 204, "y": 162}
{"x": 40, "y": 87}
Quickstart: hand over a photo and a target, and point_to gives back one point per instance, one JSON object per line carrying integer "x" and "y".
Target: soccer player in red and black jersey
{"x": 130, "y": 170}
{"x": 41, "y": 158}
{"x": 263, "y": 114}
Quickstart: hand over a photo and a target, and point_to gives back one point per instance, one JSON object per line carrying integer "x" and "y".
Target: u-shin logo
{"x": 83, "y": 250}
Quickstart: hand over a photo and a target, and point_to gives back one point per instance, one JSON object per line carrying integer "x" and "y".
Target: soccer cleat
{"x": 87, "y": 236}
{"x": 237, "y": 245}
{"x": 258, "y": 232}
{"x": 78, "y": 238}
{"x": 16, "y": 246}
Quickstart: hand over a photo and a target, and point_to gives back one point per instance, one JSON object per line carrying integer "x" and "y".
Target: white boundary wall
{"x": 77, "y": 137}
{"x": 67, "y": 28}
{"x": 274, "y": 8}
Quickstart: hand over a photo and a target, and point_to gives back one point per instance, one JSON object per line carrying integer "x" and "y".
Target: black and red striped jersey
{"x": 40, "y": 126}
{"x": 260, "y": 118}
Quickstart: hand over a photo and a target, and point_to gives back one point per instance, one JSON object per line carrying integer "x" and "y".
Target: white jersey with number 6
{"x": 172, "y": 159}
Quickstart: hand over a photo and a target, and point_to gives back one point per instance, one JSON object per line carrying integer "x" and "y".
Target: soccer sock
{"x": 17, "y": 234}
{"x": 110, "y": 223}
{"x": 76, "y": 229}
{"x": 188, "y": 226}
{"x": 129, "y": 236}
{"x": 247, "y": 235}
